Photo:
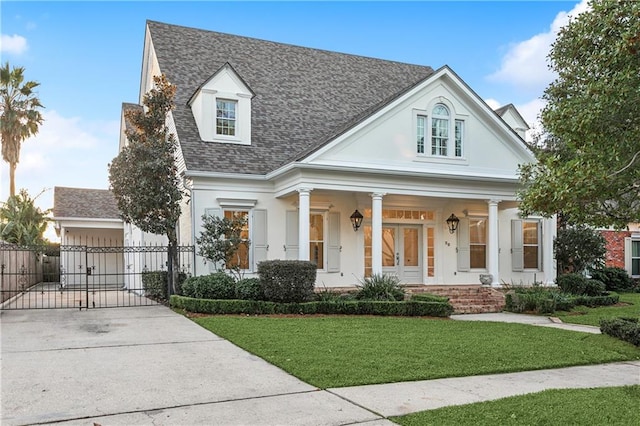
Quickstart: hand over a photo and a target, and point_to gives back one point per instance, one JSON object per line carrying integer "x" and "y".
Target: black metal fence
{"x": 81, "y": 276}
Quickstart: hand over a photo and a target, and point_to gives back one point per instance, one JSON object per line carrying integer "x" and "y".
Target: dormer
{"x": 512, "y": 117}
{"x": 222, "y": 108}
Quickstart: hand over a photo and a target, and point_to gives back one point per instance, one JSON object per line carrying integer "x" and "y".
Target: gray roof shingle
{"x": 303, "y": 97}
{"x": 84, "y": 203}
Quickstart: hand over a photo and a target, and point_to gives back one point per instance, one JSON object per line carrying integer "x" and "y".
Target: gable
{"x": 388, "y": 140}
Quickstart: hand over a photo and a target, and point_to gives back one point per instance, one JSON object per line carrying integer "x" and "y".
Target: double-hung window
{"x": 478, "y": 243}
{"x": 526, "y": 245}
{"x": 635, "y": 258}
{"x": 316, "y": 239}
{"x": 226, "y": 110}
{"x": 240, "y": 258}
{"x": 439, "y": 130}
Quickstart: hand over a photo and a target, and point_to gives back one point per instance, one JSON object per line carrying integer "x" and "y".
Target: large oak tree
{"x": 144, "y": 176}
{"x": 589, "y": 164}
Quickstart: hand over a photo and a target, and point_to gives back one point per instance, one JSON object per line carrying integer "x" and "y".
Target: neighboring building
{"x": 297, "y": 140}
{"x": 623, "y": 249}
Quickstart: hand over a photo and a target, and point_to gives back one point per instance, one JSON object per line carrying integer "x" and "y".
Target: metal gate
{"x": 88, "y": 276}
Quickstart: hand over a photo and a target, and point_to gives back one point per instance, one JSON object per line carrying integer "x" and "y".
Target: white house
{"x": 299, "y": 139}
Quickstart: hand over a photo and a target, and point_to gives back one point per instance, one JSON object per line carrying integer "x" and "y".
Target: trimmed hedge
{"x": 287, "y": 280}
{"x": 627, "y": 329}
{"x": 428, "y": 297}
{"x": 579, "y": 284}
{"x": 155, "y": 283}
{"x": 218, "y": 285}
{"x": 543, "y": 301}
{"x": 345, "y": 307}
{"x": 249, "y": 289}
{"x": 613, "y": 278}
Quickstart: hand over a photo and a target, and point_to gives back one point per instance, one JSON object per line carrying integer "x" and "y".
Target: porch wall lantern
{"x": 452, "y": 223}
{"x": 356, "y": 220}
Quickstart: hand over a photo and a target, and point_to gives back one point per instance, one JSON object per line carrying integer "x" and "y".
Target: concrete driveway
{"x": 148, "y": 365}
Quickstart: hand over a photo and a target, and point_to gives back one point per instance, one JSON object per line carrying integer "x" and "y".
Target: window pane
{"x": 226, "y": 117}
{"x": 440, "y": 110}
{"x": 316, "y": 254}
{"x": 459, "y": 136}
{"x": 420, "y": 135}
{"x": 478, "y": 257}
{"x": 316, "y": 239}
{"x": 530, "y": 232}
{"x": 367, "y": 250}
{"x": 241, "y": 257}
{"x": 478, "y": 231}
{"x": 635, "y": 248}
{"x": 388, "y": 247}
{"x": 635, "y": 267}
{"x": 530, "y": 257}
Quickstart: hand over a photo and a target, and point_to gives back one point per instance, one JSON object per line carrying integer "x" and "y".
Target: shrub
{"x": 343, "y": 307}
{"x": 213, "y": 286}
{"x": 541, "y": 302}
{"x": 627, "y": 329}
{"x": 155, "y": 284}
{"x": 579, "y": 284}
{"x": 613, "y": 278}
{"x": 287, "y": 280}
{"x": 428, "y": 297}
{"x": 578, "y": 248}
{"x": 380, "y": 287}
{"x": 249, "y": 289}
{"x": 327, "y": 295}
{"x": 594, "y": 301}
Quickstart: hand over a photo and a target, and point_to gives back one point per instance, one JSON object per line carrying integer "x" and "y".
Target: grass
{"x": 346, "y": 351}
{"x": 592, "y": 316}
{"x": 601, "y": 406}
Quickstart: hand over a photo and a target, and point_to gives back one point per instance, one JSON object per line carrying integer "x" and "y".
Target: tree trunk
{"x": 12, "y": 178}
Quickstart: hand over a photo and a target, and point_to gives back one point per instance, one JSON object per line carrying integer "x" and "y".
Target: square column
{"x": 493, "y": 243}
{"x": 304, "y": 195}
{"x": 376, "y": 233}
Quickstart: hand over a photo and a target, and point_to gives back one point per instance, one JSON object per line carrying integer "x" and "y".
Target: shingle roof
{"x": 303, "y": 96}
{"x": 84, "y": 203}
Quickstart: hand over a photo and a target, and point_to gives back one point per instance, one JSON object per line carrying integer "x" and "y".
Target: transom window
{"x": 402, "y": 214}
{"x": 226, "y": 117}
{"x": 240, "y": 258}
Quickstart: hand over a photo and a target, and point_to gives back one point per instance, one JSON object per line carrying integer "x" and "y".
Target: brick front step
{"x": 465, "y": 299}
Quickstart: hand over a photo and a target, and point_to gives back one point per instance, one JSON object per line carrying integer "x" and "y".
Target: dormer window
{"x": 221, "y": 108}
{"x": 226, "y": 117}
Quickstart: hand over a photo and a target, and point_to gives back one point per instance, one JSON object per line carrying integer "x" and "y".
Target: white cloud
{"x": 14, "y": 44}
{"x": 525, "y": 63}
{"x": 65, "y": 152}
{"x": 493, "y": 104}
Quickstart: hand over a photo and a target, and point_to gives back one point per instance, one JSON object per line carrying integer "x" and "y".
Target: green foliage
{"x": 155, "y": 284}
{"x": 213, "y": 286}
{"x": 588, "y": 166}
{"x": 341, "y": 307}
{"x": 380, "y": 287}
{"x": 220, "y": 240}
{"x": 545, "y": 300}
{"x": 625, "y": 305}
{"x": 579, "y": 248}
{"x": 19, "y": 116}
{"x": 627, "y": 329}
{"x": 579, "y": 284}
{"x": 249, "y": 289}
{"x": 21, "y": 222}
{"x": 615, "y": 279}
{"x": 428, "y": 297}
{"x": 532, "y": 300}
{"x": 287, "y": 280}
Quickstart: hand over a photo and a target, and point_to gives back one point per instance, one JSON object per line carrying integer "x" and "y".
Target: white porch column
{"x": 304, "y": 195}
{"x": 493, "y": 243}
{"x": 376, "y": 233}
{"x": 549, "y": 231}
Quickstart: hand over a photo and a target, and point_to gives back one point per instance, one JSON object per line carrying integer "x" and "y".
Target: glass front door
{"x": 402, "y": 252}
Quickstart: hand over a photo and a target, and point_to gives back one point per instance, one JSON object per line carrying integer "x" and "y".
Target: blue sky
{"x": 87, "y": 57}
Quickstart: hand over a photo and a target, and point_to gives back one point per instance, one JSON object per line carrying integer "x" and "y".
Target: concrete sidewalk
{"x": 149, "y": 365}
{"x": 538, "y": 320}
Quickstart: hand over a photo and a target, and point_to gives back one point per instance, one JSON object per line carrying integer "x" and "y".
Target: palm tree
{"x": 19, "y": 116}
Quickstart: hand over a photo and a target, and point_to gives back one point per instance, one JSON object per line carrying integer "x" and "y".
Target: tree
{"x": 579, "y": 248}
{"x": 19, "y": 116}
{"x": 21, "y": 222}
{"x": 220, "y": 242}
{"x": 589, "y": 168}
{"x": 144, "y": 176}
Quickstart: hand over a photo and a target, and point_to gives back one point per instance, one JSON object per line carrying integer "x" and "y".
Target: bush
{"x": 380, "y": 287}
{"x": 213, "y": 286}
{"x": 428, "y": 297}
{"x": 541, "y": 302}
{"x": 249, "y": 289}
{"x": 595, "y": 301}
{"x": 627, "y": 329}
{"x": 578, "y": 248}
{"x": 155, "y": 284}
{"x": 287, "y": 280}
{"x": 615, "y": 279}
{"x": 343, "y": 307}
{"x": 580, "y": 285}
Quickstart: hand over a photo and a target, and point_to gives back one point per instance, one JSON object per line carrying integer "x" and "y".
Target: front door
{"x": 402, "y": 252}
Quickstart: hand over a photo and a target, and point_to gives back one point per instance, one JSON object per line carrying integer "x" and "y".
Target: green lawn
{"x": 345, "y": 351}
{"x": 601, "y": 406}
{"x": 592, "y": 316}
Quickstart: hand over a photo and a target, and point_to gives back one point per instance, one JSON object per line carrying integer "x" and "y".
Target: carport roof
{"x": 84, "y": 203}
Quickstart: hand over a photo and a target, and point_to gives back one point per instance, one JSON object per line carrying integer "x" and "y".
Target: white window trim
{"x": 538, "y": 221}
{"x": 426, "y": 156}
